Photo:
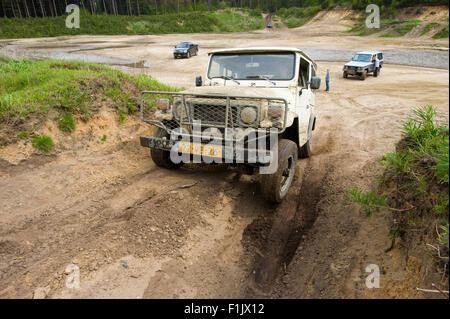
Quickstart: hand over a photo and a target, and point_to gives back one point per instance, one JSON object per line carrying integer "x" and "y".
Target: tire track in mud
{"x": 288, "y": 225}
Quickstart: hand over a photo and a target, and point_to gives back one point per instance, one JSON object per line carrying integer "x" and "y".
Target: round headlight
{"x": 248, "y": 115}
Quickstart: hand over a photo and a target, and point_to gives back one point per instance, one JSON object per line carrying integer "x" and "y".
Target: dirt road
{"x": 137, "y": 231}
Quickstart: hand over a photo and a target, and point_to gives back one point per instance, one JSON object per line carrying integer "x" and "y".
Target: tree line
{"x": 52, "y": 8}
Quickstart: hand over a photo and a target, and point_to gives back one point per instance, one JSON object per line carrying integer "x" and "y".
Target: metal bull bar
{"x": 228, "y": 105}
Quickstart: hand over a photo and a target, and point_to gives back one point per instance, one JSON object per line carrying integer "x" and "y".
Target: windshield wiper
{"x": 261, "y": 77}
{"x": 226, "y": 78}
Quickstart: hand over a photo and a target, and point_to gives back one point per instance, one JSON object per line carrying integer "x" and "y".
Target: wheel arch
{"x": 291, "y": 132}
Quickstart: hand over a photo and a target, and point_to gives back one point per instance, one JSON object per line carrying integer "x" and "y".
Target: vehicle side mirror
{"x": 315, "y": 83}
{"x": 198, "y": 81}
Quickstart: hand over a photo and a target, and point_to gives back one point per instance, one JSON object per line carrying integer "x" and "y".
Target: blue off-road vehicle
{"x": 363, "y": 63}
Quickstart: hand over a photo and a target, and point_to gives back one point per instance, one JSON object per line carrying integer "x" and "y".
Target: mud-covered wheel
{"x": 345, "y": 75}
{"x": 306, "y": 150}
{"x": 160, "y": 157}
{"x": 363, "y": 75}
{"x": 274, "y": 187}
{"x": 189, "y": 54}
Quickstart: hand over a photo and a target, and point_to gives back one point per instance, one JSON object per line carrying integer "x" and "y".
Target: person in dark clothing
{"x": 327, "y": 80}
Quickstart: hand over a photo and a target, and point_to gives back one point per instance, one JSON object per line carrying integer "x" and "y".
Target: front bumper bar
{"x": 234, "y": 154}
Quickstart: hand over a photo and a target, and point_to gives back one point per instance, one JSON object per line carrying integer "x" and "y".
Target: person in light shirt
{"x": 327, "y": 80}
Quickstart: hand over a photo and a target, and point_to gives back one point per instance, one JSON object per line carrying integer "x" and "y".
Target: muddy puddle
{"x": 77, "y": 51}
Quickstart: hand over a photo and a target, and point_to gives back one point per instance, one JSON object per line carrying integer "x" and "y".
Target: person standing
{"x": 327, "y": 80}
{"x": 377, "y": 66}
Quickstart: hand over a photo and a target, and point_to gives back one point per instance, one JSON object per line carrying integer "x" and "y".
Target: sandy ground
{"x": 137, "y": 231}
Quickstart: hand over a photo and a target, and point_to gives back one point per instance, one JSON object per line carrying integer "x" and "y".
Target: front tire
{"x": 274, "y": 187}
{"x": 345, "y": 75}
{"x": 363, "y": 75}
{"x": 160, "y": 157}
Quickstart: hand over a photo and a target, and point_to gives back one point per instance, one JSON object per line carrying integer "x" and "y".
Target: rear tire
{"x": 160, "y": 157}
{"x": 274, "y": 187}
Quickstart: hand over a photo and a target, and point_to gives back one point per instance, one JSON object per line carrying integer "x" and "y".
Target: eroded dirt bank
{"x": 137, "y": 231}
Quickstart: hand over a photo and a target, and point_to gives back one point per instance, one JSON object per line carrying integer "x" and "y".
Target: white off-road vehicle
{"x": 254, "y": 108}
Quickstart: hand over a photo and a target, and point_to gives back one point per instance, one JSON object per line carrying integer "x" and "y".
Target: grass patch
{"x": 67, "y": 123}
{"x": 4, "y": 59}
{"x": 429, "y": 27}
{"x": 103, "y": 24}
{"x": 442, "y": 34}
{"x": 23, "y": 135}
{"x": 402, "y": 28}
{"x": 30, "y": 91}
{"x": 43, "y": 143}
{"x": 295, "y": 17}
{"x": 415, "y": 183}
{"x": 397, "y": 28}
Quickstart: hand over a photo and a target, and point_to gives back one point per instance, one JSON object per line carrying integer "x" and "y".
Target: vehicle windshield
{"x": 182, "y": 46}
{"x": 246, "y": 66}
{"x": 362, "y": 57}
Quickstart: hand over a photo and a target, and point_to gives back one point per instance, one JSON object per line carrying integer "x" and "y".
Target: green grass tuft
{"x": 43, "y": 143}
{"x": 66, "y": 123}
{"x": 23, "y": 134}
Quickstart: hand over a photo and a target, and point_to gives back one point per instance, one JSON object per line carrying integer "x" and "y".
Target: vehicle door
{"x": 372, "y": 65}
{"x": 380, "y": 57}
{"x": 304, "y": 98}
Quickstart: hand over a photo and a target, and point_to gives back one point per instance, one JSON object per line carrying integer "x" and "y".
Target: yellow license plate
{"x": 201, "y": 149}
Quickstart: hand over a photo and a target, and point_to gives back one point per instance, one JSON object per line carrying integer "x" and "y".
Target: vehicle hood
{"x": 287, "y": 93}
{"x": 278, "y": 92}
{"x": 358, "y": 64}
{"x": 180, "y": 50}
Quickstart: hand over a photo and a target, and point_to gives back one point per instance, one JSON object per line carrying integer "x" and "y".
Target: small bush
{"x": 67, "y": 123}
{"x": 43, "y": 143}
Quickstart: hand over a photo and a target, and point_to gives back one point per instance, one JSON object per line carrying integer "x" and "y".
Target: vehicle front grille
{"x": 214, "y": 113}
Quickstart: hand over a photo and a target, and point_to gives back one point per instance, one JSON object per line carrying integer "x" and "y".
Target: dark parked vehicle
{"x": 363, "y": 63}
{"x": 185, "y": 50}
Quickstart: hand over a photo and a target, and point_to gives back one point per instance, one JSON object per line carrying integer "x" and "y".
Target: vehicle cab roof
{"x": 262, "y": 49}
{"x": 368, "y": 52}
